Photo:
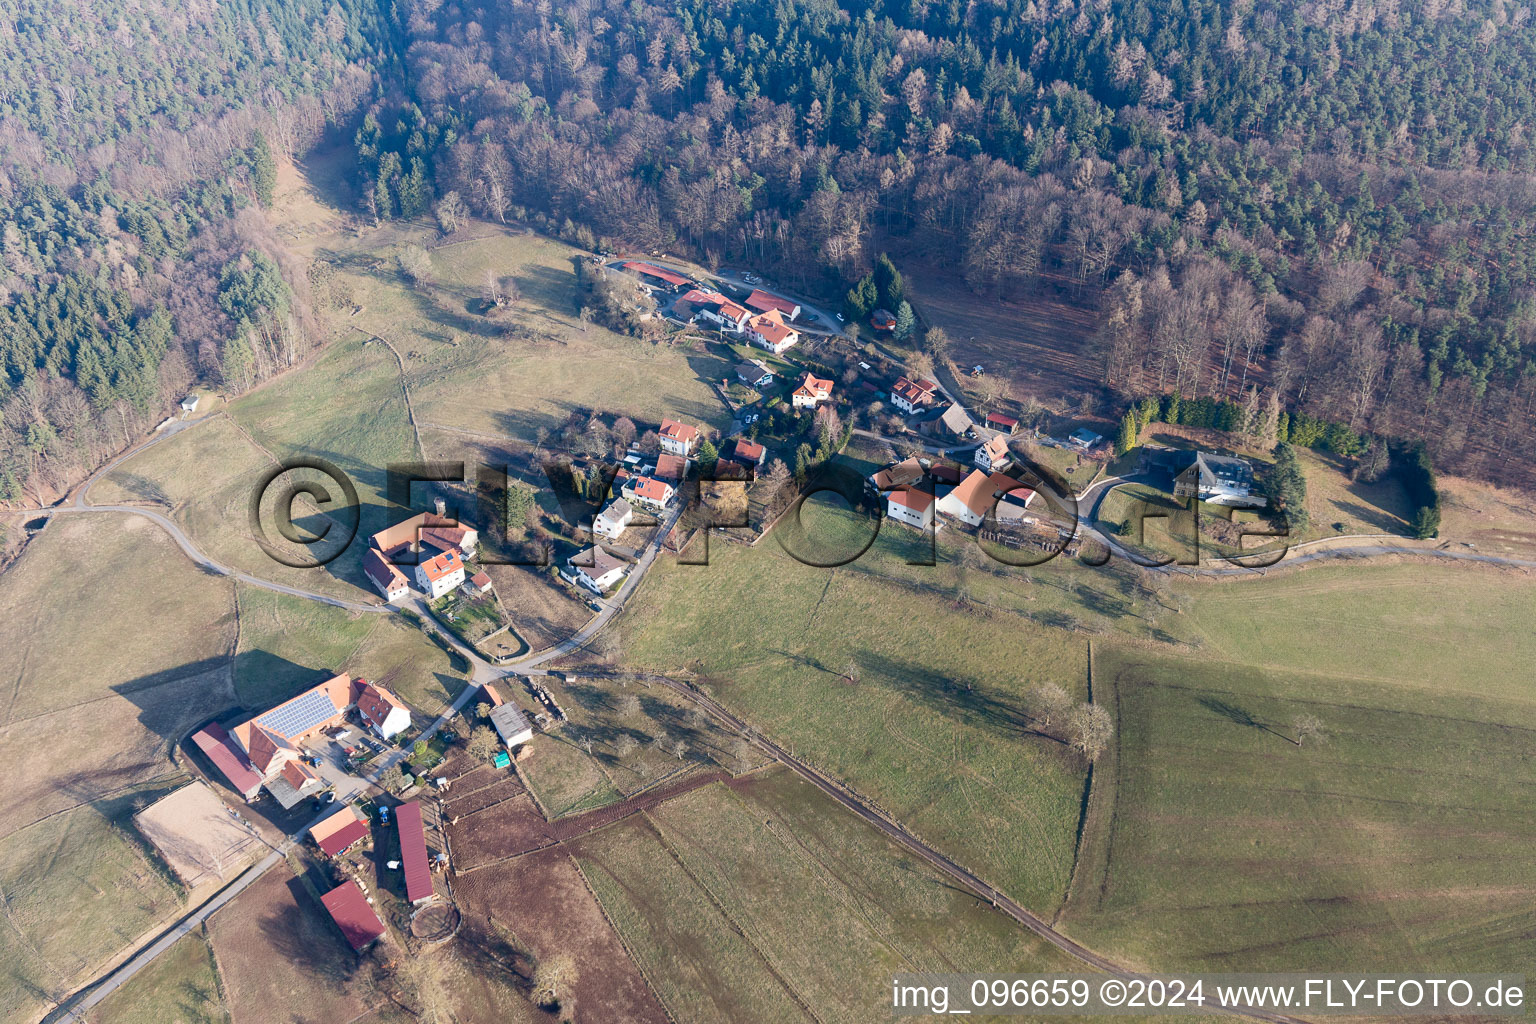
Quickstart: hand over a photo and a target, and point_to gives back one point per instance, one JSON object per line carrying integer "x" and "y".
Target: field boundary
{"x": 619, "y": 935}
{"x": 1097, "y": 825}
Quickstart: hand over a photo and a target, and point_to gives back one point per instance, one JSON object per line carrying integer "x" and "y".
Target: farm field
{"x": 540, "y": 905}
{"x": 934, "y": 730}
{"x": 278, "y": 949}
{"x": 180, "y": 987}
{"x": 1216, "y": 843}
{"x": 465, "y": 375}
{"x": 1442, "y": 630}
{"x": 76, "y": 890}
{"x": 761, "y": 900}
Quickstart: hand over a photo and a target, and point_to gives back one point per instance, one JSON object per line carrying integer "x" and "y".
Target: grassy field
{"x": 935, "y": 727}
{"x": 288, "y": 643}
{"x": 1401, "y": 838}
{"x": 180, "y": 987}
{"x": 764, "y": 901}
{"x": 76, "y": 889}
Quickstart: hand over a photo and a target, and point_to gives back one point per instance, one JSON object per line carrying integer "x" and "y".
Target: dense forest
{"x": 1332, "y": 200}
{"x": 1325, "y": 201}
{"x": 138, "y": 141}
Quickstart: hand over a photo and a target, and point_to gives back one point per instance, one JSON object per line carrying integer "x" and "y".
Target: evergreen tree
{"x": 906, "y": 322}
{"x": 890, "y": 288}
{"x": 263, "y": 171}
{"x": 415, "y": 192}
{"x": 709, "y": 456}
{"x": 1287, "y": 488}
{"x": 862, "y": 298}
{"x": 1126, "y": 439}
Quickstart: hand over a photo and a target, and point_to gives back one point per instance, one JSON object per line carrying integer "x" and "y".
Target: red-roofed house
{"x": 716, "y": 309}
{"x": 413, "y": 853}
{"x": 229, "y": 759}
{"x": 749, "y": 453}
{"x": 381, "y": 710}
{"x": 761, "y": 302}
{"x": 481, "y": 582}
{"x": 671, "y": 468}
{"x": 437, "y": 576}
{"x": 812, "y": 392}
{"x": 771, "y": 332}
{"x": 350, "y": 909}
{"x": 648, "y": 491}
{"x": 340, "y": 832}
{"x": 678, "y": 438}
{"x": 657, "y": 277}
{"x": 911, "y": 395}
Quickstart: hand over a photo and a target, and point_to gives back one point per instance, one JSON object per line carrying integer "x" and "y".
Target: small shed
{"x": 189, "y": 404}
{"x": 501, "y": 760}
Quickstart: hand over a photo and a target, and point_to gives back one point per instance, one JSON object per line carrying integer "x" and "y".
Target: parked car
{"x": 811, "y": 318}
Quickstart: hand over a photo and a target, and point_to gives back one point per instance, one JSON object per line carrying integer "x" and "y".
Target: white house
{"x": 511, "y": 725}
{"x": 648, "y": 491}
{"x": 678, "y": 438}
{"x": 716, "y": 309}
{"x": 976, "y": 495}
{"x": 1218, "y": 480}
{"x": 614, "y": 519}
{"x": 812, "y": 392}
{"x": 437, "y": 576}
{"x": 754, "y": 373}
{"x": 189, "y": 404}
{"x": 911, "y": 506}
{"x": 602, "y": 571}
{"x": 912, "y": 395}
{"x": 390, "y": 581}
{"x": 382, "y": 711}
{"x": 771, "y": 332}
{"x": 992, "y": 454}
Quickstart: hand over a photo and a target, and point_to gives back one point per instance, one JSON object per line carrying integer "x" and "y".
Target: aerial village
{"x": 349, "y": 768}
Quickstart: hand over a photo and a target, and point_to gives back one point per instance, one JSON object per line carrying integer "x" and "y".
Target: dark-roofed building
{"x": 413, "y": 852}
{"x": 1219, "y": 480}
{"x": 229, "y": 759}
{"x": 754, "y": 373}
{"x": 511, "y": 725}
{"x": 596, "y": 569}
{"x": 955, "y": 422}
{"x": 353, "y": 914}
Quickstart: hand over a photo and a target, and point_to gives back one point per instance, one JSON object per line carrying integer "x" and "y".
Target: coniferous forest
{"x": 1327, "y": 202}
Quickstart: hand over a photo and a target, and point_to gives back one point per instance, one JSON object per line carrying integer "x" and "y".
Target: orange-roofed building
{"x": 678, "y": 438}
{"x": 440, "y": 574}
{"x": 771, "y": 332}
{"x": 813, "y": 390}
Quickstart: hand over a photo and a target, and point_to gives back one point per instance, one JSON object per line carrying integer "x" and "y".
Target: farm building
{"x": 384, "y": 575}
{"x": 413, "y": 853}
{"x": 910, "y": 505}
{"x": 714, "y": 308}
{"x": 997, "y": 421}
{"x": 762, "y": 302}
{"x": 340, "y": 832}
{"x": 230, "y": 759}
{"x": 511, "y": 725}
{"x": 354, "y": 915}
{"x": 955, "y": 422}
{"x": 481, "y": 582}
{"x": 978, "y": 493}
{"x": 658, "y": 277}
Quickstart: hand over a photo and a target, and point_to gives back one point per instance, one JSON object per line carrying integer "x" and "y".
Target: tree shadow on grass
{"x": 1239, "y": 716}
{"x": 961, "y": 699}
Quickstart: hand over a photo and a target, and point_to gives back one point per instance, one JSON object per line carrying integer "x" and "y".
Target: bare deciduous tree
{"x": 1308, "y": 727}
{"x": 1092, "y": 729}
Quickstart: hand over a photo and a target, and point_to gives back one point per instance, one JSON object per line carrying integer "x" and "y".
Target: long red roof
{"x": 650, "y": 270}
{"x": 227, "y": 757}
{"x": 350, "y": 910}
{"x": 413, "y": 852}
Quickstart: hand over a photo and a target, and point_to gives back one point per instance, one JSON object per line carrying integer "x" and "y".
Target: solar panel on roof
{"x": 302, "y": 713}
